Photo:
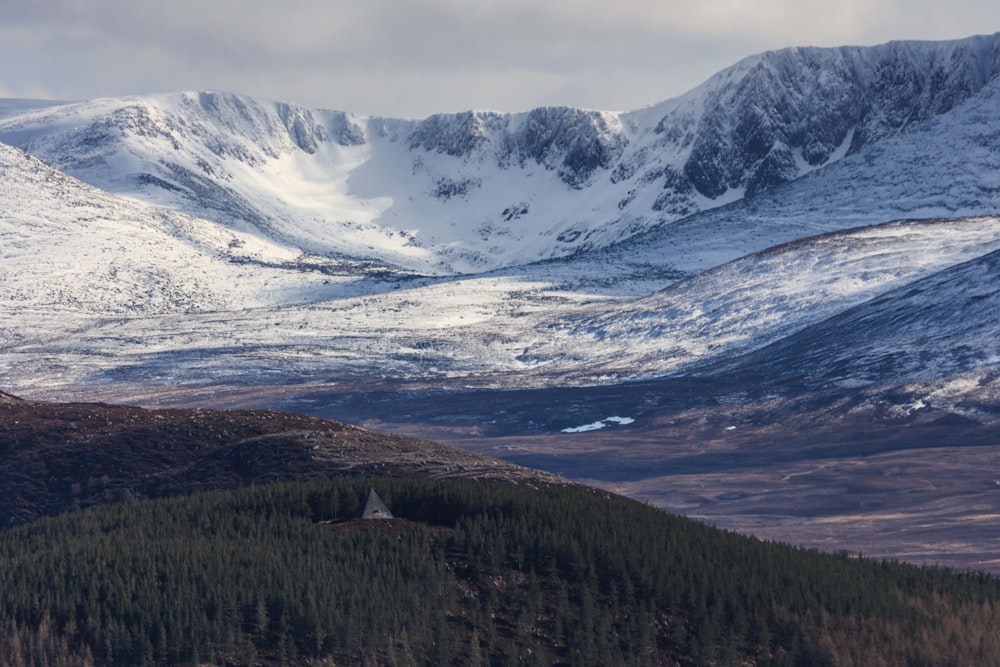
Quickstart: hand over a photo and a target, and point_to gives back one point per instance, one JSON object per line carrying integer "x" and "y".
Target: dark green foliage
{"x": 468, "y": 573}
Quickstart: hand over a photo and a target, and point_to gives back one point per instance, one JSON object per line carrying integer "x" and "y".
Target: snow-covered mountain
{"x": 475, "y": 191}
{"x": 218, "y": 238}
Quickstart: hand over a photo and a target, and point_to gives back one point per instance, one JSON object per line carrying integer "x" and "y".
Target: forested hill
{"x": 225, "y": 537}
{"x": 56, "y": 457}
{"x": 469, "y": 573}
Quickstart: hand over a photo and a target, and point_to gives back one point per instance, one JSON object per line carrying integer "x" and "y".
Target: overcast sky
{"x": 411, "y": 58}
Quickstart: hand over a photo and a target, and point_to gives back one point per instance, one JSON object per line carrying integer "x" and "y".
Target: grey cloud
{"x": 417, "y": 57}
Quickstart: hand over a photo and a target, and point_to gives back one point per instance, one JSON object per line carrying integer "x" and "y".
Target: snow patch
{"x": 598, "y": 425}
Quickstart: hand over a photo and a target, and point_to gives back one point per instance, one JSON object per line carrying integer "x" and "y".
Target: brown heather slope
{"x": 60, "y": 456}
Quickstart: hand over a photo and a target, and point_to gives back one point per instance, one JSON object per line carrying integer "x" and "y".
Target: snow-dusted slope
{"x": 928, "y": 346}
{"x": 160, "y": 297}
{"x": 763, "y": 297}
{"x": 70, "y": 248}
{"x": 478, "y": 190}
{"x": 942, "y": 326}
{"x": 71, "y": 254}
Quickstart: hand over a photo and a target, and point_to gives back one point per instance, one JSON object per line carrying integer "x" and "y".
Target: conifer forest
{"x": 467, "y": 573}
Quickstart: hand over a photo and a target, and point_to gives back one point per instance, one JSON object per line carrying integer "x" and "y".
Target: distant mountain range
{"x": 472, "y": 191}
{"x": 807, "y": 220}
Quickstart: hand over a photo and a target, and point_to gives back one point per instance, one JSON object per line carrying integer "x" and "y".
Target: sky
{"x": 413, "y": 58}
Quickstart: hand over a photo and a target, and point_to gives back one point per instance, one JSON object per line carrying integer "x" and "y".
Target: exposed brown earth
{"x": 60, "y": 456}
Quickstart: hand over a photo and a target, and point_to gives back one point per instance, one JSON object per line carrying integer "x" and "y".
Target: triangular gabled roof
{"x": 374, "y": 508}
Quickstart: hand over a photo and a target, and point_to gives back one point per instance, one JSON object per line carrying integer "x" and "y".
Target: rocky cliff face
{"x": 574, "y": 143}
{"x": 782, "y": 113}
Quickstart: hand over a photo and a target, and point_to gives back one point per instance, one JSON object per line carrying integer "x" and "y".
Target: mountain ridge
{"x": 467, "y": 191}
